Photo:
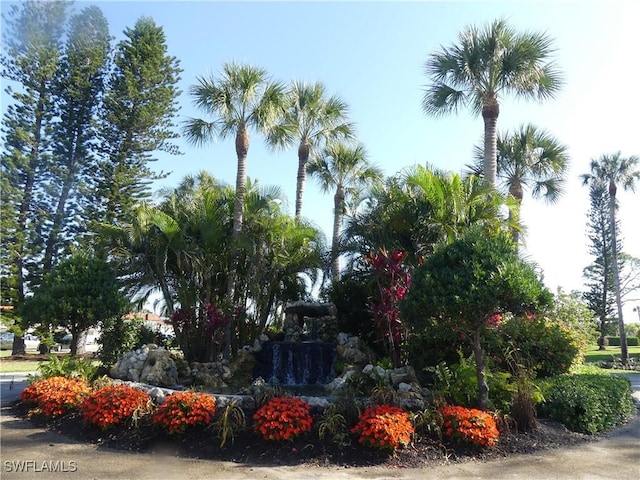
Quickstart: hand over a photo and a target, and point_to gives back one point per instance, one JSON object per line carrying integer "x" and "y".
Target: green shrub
{"x": 631, "y": 341}
{"x": 69, "y": 367}
{"x": 457, "y": 384}
{"x": 546, "y": 346}
{"x": 588, "y": 403}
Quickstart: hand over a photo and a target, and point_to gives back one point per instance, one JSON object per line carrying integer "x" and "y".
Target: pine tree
{"x": 600, "y": 296}
{"x": 32, "y": 46}
{"x": 139, "y": 108}
{"x": 79, "y": 88}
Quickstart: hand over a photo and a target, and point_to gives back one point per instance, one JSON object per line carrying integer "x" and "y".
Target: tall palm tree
{"x": 347, "y": 170}
{"x": 486, "y": 64}
{"x": 614, "y": 170}
{"x": 242, "y": 99}
{"x": 528, "y": 158}
{"x": 311, "y": 120}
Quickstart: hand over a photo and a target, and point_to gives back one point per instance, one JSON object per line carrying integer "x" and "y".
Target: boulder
{"x": 351, "y": 354}
{"x": 402, "y": 375}
{"x": 159, "y": 369}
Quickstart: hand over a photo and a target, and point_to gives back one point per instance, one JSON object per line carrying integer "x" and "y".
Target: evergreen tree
{"x": 32, "y": 45}
{"x": 79, "y": 87}
{"x": 600, "y": 296}
{"x": 139, "y": 108}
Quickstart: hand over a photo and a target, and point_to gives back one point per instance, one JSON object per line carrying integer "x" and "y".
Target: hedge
{"x": 631, "y": 341}
{"x": 588, "y": 403}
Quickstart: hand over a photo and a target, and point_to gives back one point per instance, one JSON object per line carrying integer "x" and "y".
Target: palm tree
{"x": 242, "y": 99}
{"x": 421, "y": 208}
{"x": 528, "y": 158}
{"x": 310, "y": 120}
{"x": 347, "y": 170}
{"x": 615, "y": 170}
{"x": 485, "y": 64}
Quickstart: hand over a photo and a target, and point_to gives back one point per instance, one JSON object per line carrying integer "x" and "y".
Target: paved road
{"x": 11, "y": 384}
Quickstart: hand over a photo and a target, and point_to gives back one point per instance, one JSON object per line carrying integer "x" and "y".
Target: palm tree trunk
{"x": 478, "y": 354}
{"x": 338, "y": 208}
{"x": 616, "y": 273}
{"x": 242, "y": 148}
{"x": 303, "y": 158}
{"x": 490, "y": 112}
{"x": 516, "y": 191}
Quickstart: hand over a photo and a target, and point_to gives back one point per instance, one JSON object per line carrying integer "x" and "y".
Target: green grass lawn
{"x": 10, "y": 366}
{"x": 595, "y": 355}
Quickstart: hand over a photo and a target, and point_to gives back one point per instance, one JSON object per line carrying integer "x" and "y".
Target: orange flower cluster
{"x": 113, "y": 404}
{"x": 184, "y": 409}
{"x": 384, "y": 426}
{"x": 469, "y": 425}
{"x": 56, "y": 395}
{"x": 283, "y": 418}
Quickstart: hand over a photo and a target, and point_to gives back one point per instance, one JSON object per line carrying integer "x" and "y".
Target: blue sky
{"x": 372, "y": 55}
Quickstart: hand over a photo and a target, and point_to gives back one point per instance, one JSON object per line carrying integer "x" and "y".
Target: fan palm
{"x": 528, "y": 158}
{"x": 346, "y": 170}
{"x": 614, "y": 170}
{"x": 311, "y": 120}
{"x": 486, "y": 64}
{"x": 242, "y": 99}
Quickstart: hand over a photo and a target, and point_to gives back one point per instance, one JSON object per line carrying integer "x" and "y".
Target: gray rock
{"x": 157, "y": 395}
{"x": 159, "y": 369}
{"x": 404, "y": 387}
{"x": 403, "y": 374}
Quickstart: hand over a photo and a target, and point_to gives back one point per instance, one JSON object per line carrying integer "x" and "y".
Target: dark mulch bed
{"x": 249, "y": 448}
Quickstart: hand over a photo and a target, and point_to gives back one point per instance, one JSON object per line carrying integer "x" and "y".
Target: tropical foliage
{"x": 484, "y": 65}
{"x": 311, "y": 120}
{"x": 181, "y": 248}
{"x": 472, "y": 282}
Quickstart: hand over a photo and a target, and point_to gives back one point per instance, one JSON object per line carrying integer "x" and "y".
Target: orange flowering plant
{"x": 283, "y": 418}
{"x": 185, "y": 409}
{"x": 469, "y": 425}
{"x": 114, "y": 404}
{"x": 384, "y": 426}
{"x": 56, "y": 395}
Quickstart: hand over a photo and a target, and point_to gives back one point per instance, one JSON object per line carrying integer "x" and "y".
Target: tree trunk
{"x": 338, "y": 205}
{"x": 483, "y": 388}
{"x": 517, "y": 192}
{"x": 490, "y": 112}
{"x": 52, "y": 241}
{"x": 303, "y": 158}
{"x": 18, "y": 347}
{"x": 242, "y": 148}
{"x": 616, "y": 273}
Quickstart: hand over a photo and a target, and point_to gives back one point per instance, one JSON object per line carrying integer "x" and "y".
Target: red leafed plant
{"x": 393, "y": 283}
{"x": 114, "y": 404}
{"x": 56, "y": 395}
{"x": 384, "y": 426}
{"x": 283, "y": 418}
{"x": 185, "y": 409}
{"x": 469, "y": 425}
